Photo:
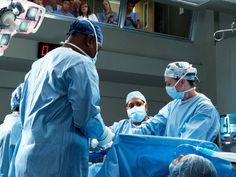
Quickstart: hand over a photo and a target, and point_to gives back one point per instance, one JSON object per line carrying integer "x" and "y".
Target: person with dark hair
{"x": 108, "y": 16}
{"x": 39, "y": 2}
{"x": 60, "y": 108}
{"x": 52, "y": 5}
{"x": 74, "y": 5}
{"x": 65, "y": 9}
{"x": 190, "y": 114}
{"x": 136, "y": 108}
{"x": 86, "y": 13}
{"x": 10, "y": 132}
{"x": 132, "y": 20}
{"x": 192, "y": 166}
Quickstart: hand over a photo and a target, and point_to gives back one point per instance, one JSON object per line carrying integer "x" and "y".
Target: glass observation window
{"x": 145, "y": 15}
{"x": 153, "y": 16}
{"x": 104, "y": 11}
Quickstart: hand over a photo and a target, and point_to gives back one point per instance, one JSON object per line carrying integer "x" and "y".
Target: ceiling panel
{"x": 195, "y": 3}
{"x": 226, "y": 6}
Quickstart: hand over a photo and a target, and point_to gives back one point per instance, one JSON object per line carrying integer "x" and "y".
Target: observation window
{"x": 153, "y": 16}
{"x": 146, "y": 15}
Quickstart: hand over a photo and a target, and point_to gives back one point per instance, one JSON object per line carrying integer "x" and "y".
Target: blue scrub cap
{"x": 194, "y": 166}
{"x": 15, "y": 97}
{"x": 135, "y": 94}
{"x": 85, "y": 28}
{"x": 181, "y": 68}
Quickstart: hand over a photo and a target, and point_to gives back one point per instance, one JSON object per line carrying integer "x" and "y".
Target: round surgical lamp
{"x": 8, "y": 15}
{"x": 7, "y": 19}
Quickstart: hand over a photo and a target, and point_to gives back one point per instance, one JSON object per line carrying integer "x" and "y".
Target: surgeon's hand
{"x": 106, "y": 146}
{"x": 94, "y": 143}
{"x": 105, "y": 140}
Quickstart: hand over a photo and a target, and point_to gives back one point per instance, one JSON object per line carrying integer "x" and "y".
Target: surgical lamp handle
{"x": 8, "y": 18}
{"x": 42, "y": 12}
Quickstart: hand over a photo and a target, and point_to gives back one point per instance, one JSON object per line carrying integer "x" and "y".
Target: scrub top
{"x": 195, "y": 118}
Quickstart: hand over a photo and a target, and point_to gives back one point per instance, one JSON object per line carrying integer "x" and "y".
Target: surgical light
{"x": 31, "y": 13}
{"x": 4, "y": 39}
{"x": 18, "y": 16}
{"x": 17, "y": 8}
{"x": 8, "y": 19}
{"x": 23, "y": 27}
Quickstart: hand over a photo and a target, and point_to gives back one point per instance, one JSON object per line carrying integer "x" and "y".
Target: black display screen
{"x": 44, "y": 48}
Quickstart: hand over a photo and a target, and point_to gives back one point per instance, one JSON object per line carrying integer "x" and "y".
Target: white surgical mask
{"x": 94, "y": 59}
{"x": 137, "y": 113}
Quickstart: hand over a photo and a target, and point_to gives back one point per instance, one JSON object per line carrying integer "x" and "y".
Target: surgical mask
{"x": 173, "y": 93}
{"x": 93, "y": 59}
{"x": 137, "y": 113}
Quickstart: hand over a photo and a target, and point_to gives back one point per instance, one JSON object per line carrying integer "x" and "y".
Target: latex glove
{"x": 106, "y": 137}
{"x": 106, "y": 146}
{"x": 94, "y": 143}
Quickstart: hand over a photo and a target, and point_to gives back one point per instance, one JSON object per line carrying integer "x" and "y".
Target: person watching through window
{"x": 85, "y": 12}
{"x": 65, "y": 9}
{"x": 108, "y": 16}
{"x": 132, "y": 20}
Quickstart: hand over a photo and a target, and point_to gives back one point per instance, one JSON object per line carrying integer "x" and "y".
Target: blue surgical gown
{"x": 124, "y": 126}
{"x": 195, "y": 118}
{"x": 10, "y": 132}
{"x": 60, "y": 111}
{"x": 134, "y": 17}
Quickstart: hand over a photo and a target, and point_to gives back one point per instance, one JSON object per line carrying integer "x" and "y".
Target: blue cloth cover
{"x": 141, "y": 155}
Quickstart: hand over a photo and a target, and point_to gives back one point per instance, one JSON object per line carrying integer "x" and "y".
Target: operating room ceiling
{"x": 227, "y": 6}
